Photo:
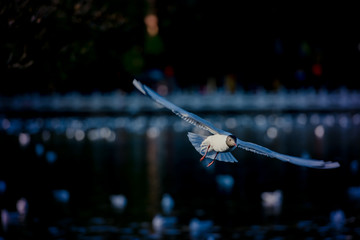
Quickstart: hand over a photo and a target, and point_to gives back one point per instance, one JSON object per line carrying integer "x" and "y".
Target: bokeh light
{"x": 319, "y": 131}
{"x": 24, "y": 139}
{"x": 151, "y": 22}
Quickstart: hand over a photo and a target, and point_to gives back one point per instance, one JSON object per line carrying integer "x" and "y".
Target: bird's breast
{"x": 217, "y": 143}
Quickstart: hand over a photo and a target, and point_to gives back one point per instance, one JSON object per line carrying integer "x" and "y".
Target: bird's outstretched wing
{"x": 187, "y": 116}
{"x": 286, "y": 158}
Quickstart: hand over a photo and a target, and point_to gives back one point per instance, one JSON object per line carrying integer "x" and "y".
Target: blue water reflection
{"x": 137, "y": 176}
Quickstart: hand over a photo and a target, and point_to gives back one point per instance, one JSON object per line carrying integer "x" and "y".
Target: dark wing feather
{"x": 252, "y": 147}
{"x": 185, "y": 115}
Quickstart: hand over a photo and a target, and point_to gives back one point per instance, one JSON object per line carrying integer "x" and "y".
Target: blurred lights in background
{"x": 319, "y": 131}
{"x": 167, "y": 204}
{"x": 5, "y": 124}
{"x": 301, "y": 124}
{"x": 338, "y": 219}
{"x": 317, "y": 69}
{"x": 272, "y": 132}
{"x": 51, "y": 156}
{"x": 101, "y": 133}
{"x": 2, "y": 186}
{"x": 24, "y": 139}
{"x": 113, "y": 130}
{"x": 39, "y": 149}
{"x": 151, "y": 22}
{"x": 225, "y": 183}
{"x": 61, "y": 195}
{"x": 272, "y": 203}
{"x": 118, "y": 202}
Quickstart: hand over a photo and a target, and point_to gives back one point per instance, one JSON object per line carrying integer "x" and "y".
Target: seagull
{"x": 219, "y": 145}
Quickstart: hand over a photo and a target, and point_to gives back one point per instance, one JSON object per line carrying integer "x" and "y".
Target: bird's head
{"x": 231, "y": 141}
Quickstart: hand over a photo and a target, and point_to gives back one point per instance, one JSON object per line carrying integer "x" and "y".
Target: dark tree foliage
{"x": 89, "y": 45}
{"x": 66, "y": 45}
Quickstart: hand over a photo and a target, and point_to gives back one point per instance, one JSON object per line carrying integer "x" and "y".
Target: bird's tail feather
{"x": 196, "y": 141}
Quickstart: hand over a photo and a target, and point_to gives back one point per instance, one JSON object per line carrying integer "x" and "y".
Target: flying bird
{"x": 220, "y": 143}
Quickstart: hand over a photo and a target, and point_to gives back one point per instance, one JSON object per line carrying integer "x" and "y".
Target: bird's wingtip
{"x": 328, "y": 165}
{"x": 332, "y": 165}
{"x": 139, "y": 86}
{"x": 135, "y": 81}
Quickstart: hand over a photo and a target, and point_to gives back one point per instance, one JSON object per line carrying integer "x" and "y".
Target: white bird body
{"x": 219, "y": 145}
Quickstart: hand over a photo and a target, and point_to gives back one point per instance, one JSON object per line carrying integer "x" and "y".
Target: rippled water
{"x": 70, "y": 170}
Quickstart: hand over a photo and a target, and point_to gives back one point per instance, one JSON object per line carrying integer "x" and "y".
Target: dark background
{"x": 86, "y": 46}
